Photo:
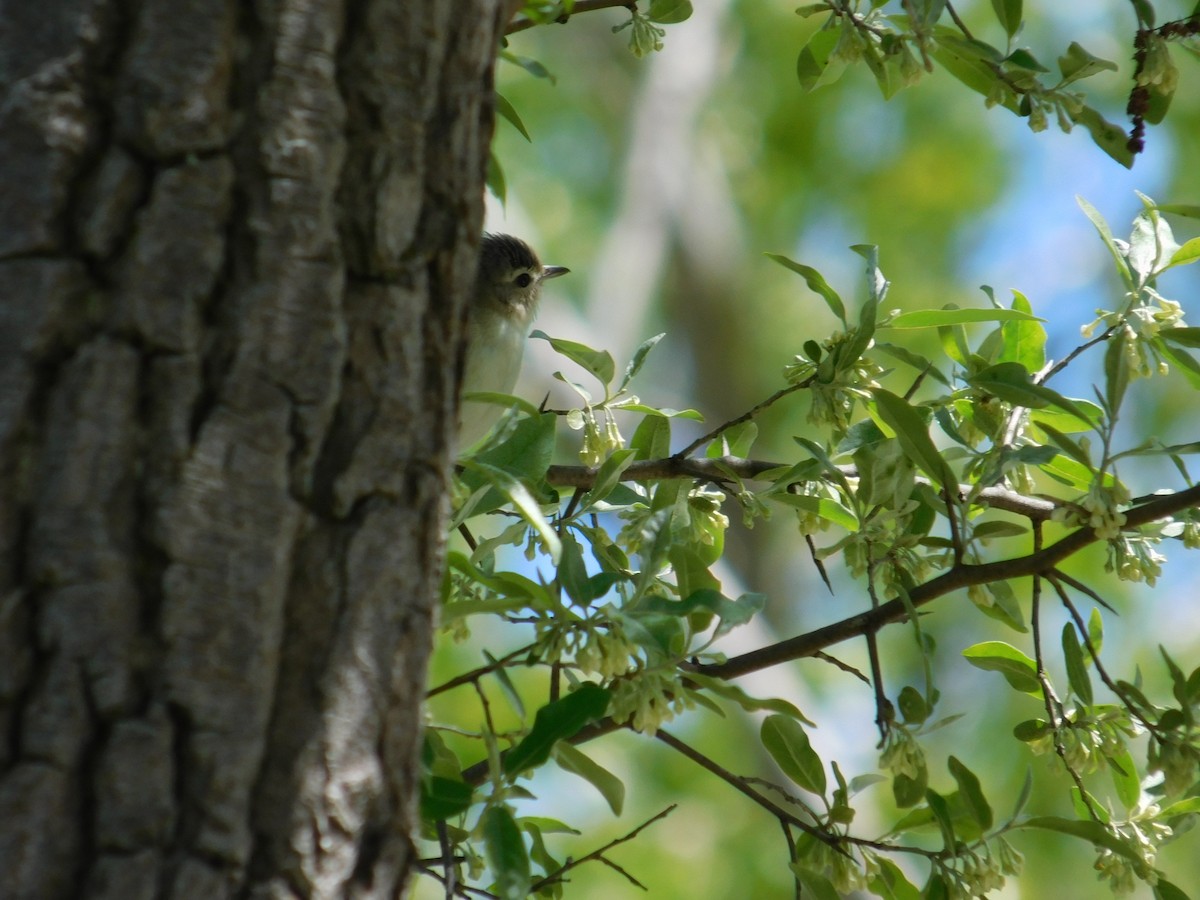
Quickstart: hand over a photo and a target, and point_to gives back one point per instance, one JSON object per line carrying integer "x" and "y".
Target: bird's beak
{"x": 553, "y": 272}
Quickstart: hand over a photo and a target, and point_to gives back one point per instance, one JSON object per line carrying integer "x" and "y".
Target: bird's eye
{"x": 523, "y": 280}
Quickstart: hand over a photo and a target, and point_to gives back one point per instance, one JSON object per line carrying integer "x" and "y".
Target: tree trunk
{"x": 236, "y": 240}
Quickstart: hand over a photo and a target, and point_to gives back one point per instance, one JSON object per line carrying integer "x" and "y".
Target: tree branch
{"x": 1039, "y": 562}
{"x": 523, "y": 23}
{"x": 724, "y": 467}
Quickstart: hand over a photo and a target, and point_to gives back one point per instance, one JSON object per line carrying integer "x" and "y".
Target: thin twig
{"x": 476, "y": 674}
{"x": 720, "y": 469}
{"x": 557, "y": 874}
{"x": 521, "y": 23}
{"x": 966, "y": 575}
{"x": 744, "y": 417}
{"x": 1050, "y": 700}
{"x": 740, "y": 784}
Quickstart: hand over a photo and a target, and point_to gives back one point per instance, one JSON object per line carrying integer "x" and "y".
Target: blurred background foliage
{"x": 661, "y": 182}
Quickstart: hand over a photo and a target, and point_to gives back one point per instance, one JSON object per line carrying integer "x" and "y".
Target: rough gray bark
{"x": 235, "y": 244}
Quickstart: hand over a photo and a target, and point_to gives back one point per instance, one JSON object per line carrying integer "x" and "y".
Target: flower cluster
{"x": 1098, "y": 509}
{"x": 1144, "y": 834}
{"x": 1137, "y": 328}
{"x": 648, "y": 698}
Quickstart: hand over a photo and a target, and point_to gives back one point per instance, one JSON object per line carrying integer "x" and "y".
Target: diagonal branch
{"x": 723, "y": 467}
{"x": 1040, "y": 562}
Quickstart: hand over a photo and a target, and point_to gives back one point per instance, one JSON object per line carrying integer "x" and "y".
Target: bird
{"x": 508, "y": 285}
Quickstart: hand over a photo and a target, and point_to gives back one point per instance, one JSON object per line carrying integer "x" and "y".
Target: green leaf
{"x": 532, "y": 66}
{"x": 506, "y": 854}
{"x": 639, "y": 359}
{"x": 652, "y": 438}
{"x": 813, "y": 884}
{"x": 444, "y": 798}
{"x": 817, "y": 65}
{"x": 1110, "y": 138}
{"x": 523, "y": 502}
{"x": 971, "y": 793}
{"x": 554, "y": 722}
{"x": 1125, "y": 778}
{"x": 787, "y": 742}
{"x": 1077, "y": 673}
{"x": 731, "y": 612}
{"x": 1067, "y": 423}
{"x": 1024, "y": 341}
{"x": 1165, "y": 890}
{"x": 598, "y": 363}
{"x": 735, "y": 441}
{"x": 827, "y": 509}
{"x": 908, "y": 791}
{"x": 996, "y": 656}
{"x": 572, "y": 572}
{"x": 608, "y": 476}
{"x": 495, "y": 179}
{"x": 525, "y": 455}
{"x": 912, "y": 705}
{"x": 913, "y": 434}
{"x": 732, "y": 692}
{"x": 1077, "y": 63}
{"x": 506, "y": 109}
{"x": 611, "y": 788}
{"x": 1025, "y": 793}
{"x": 816, "y": 283}
{"x": 668, "y": 12}
{"x": 935, "y": 318}
{"x": 1188, "y": 253}
{"x": 1116, "y": 372}
{"x": 1105, "y": 233}
{"x": 1089, "y": 830}
{"x": 890, "y": 882}
{"x": 1184, "y": 337}
{"x": 1008, "y": 14}
{"x": 1010, "y": 381}
{"x": 941, "y": 814}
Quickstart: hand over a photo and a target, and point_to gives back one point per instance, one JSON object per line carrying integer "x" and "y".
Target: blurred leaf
{"x": 787, "y": 742}
{"x": 598, "y": 363}
{"x": 972, "y": 793}
{"x": 1011, "y": 383}
{"x": 639, "y": 359}
{"x": 1125, "y": 778}
{"x": 1110, "y": 138}
{"x": 572, "y": 571}
{"x": 668, "y": 12}
{"x": 554, "y": 722}
{"x": 1024, "y": 340}
{"x": 732, "y": 692}
{"x": 506, "y": 854}
{"x": 827, "y": 509}
{"x": 996, "y": 656}
{"x": 506, "y": 109}
{"x": 495, "y": 179}
{"x": 608, "y": 476}
{"x": 913, "y": 434}
{"x": 532, "y": 66}
{"x": 816, "y": 283}
{"x": 1089, "y": 830}
{"x": 1116, "y": 372}
{"x": 444, "y": 798}
{"x": 573, "y": 760}
{"x": 889, "y": 882}
{"x": 1077, "y": 673}
{"x": 1077, "y": 63}
{"x": 933, "y": 318}
{"x": 1008, "y": 14}
{"x": 817, "y": 64}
